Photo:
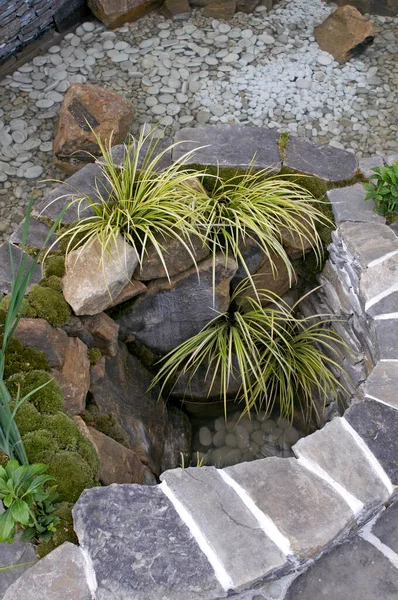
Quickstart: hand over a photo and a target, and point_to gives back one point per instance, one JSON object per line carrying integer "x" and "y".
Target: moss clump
{"x": 25, "y": 361}
{"x": 27, "y": 311}
{"x": 106, "y": 424}
{"x": 64, "y": 533}
{"x": 39, "y": 445}
{"x": 72, "y": 475}
{"x": 50, "y": 305}
{"x": 54, "y": 266}
{"x": 282, "y": 143}
{"x": 27, "y": 418}
{"x": 53, "y": 282}
{"x": 48, "y": 400}
{"x": 3, "y": 459}
{"x": 94, "y": 355}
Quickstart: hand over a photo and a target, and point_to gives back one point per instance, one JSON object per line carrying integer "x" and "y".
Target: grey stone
{"x": 94, "y": 278}
{"x": 391, "y": 160}
{"x": 154, "y": 557}
{"x": 382, "y": 383}
{"x": 355, "y": 571}
{"x": 367, "y": 164}
{"x": 230, "y": 146}
{"x": 226, "y": 523}
{"x": 325, "y": 162}
{"x": 348, "y": 204}
{"x": 378, "y": 280}
{"x": 385, "y": 306}
{"x": 387, "y": 335}
{"x": 18, "y": 553}
{"x": 368, "y": 241}
{"x": 159, "y": 146}
{"x": 170, "y": 313}
{"x": 61, "y": 575}
{"x": 386, "y": 527}
{"x": 307, "y": 510}
{"x": 377, "y": 424}
{"x": 334, "y": 449}
{"x": 83, "y": 183}
{"x": 11, "y": 257}
{"x": 37, "y": 235}
{"x": 177, "y": 439}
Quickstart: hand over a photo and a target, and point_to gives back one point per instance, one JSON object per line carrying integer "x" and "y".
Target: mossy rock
{"x": 27, "y": 418}
{"x": 40, "y": 445}
{"x": 64, "y": 533}
{"x": 53, "y": 282}
{"x": 106, "y": 424}
{"x": 72, "y": 475}
{"x": 47, "y": 400}
{"x": 27, "y": 360}
{"x": 54, "y": 266}
{"x": 50, "y": 305}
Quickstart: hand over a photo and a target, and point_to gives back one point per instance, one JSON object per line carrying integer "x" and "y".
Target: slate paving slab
{"x": 37, "y": 235}
{"x": 256, "y": 146}
{"x": 360, "y": 241}
{"x": 89, "y": 181}
{"x": 335, "y": 451}
{"x": 379, "y": 280}
{"x": 387, "y": 336}
{"x": 140, "y": 548}
{"x": 308, "y": 512}
{"x": 18, "y": 553}
{"x": 385, "y": 306}
{"x": 226, "y": 523}
{"x": 159, "y": 146}
{"x": 325, "y": 162}
{"x": 348, "y": 204}
{"x": 377, "y": 424}
{"x": 7, "y": 264}
{"x": 353, "y": 571}
{"x": 382, "y": 383}
{"x": 386, "y": 527}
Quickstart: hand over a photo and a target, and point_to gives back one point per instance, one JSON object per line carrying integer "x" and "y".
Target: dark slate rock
{"x": 170, "y": 313}
{"x": 367, "y": 164}
{"x": 386, "y": 527}
{"x": 353, "y": 571}
{"x": 368, "y": 242}
{"x": 140, "y": 548}
{"x": 377, "y": 424}
{"x": 325, "y": 162}
{"x": 18, "y": 553}
{"x": 6, "y": 273}
{"x": 37, "y": 235}
{"x": 348, "y": 204}
{"x": 118, "y": 154}
{"x": 87, "y": 182}
{"x": 229, "y": 146}
{"x": 385, "y": 306}
{"x": 387, "y": 336}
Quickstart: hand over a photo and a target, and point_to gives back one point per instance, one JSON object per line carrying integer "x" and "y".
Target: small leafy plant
{"x": 27, "y": 502}
{"x": 384, "y": 191}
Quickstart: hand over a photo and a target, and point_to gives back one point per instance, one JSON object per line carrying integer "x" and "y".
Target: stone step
{"x": 377, "y": 425}
{"x": 140, "y": 548}
{"x": 226, "y": 523}
{"x": 334, "y": 449}
{"x": 348, "y": 204}
{"x": 356, "y": 570}
{"x": 306, "y": 510}
{"x": 387, "y": 335}
{"x": 378, "y": 281}
{"x": 360, "y": 241}
{"x": 382, "y": 383}
{"x": 386, "y": 528}
{"x": 61, "y": 575}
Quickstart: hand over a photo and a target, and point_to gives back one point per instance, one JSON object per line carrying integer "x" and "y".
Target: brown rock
{"x": 117, "y": 463}
{"x": 132, "y": 289}
{"x": 374, "y": 7}
{"x": 295, "y": 245}
{"x": 104, "y": 333}
{"x": 220, "y": 10}
{"x": 114, "y": 13}
{"x": 273, "y": 279}
{"x": 38, "y": 334}
{"x": 247, "y": 6}
{"x": 177, "y": 10}
{"x": 176, "y": 257}
{"x": 85, "y": 108}
{"x": 345, "y": 33}
{"x": 74, "y": 376}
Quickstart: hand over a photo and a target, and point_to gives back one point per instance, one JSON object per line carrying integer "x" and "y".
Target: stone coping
{"x": 207, "y": 534}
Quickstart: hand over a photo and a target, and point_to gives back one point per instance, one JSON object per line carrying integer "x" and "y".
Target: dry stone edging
{"x": 190, "y": 563}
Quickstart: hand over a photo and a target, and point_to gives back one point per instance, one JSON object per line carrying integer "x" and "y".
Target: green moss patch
{"x": 47, "y": 400}
{"x": 106, "y": 424}
{"x": 94, "y": 355}
{"x": 54, "y": 265}
{"x": 72, "y": 475}
{"x": 50, "y": 305}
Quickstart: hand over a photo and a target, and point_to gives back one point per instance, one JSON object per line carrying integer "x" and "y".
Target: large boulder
{"x": 95, "y": 277}
{"x": 89, "y": 109}
{"x": 345, "y": 33}
{"x": 171, "y": 312}
{"x": 119, "y": 386}
{"x": 114, "y": 13}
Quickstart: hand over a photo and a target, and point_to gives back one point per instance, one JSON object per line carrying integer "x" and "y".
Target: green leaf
{"x": 7, "y": 525}
{"x": 8, "y": 500}
{"x": 28, "y": 534}
{"x": 20, "y": 512}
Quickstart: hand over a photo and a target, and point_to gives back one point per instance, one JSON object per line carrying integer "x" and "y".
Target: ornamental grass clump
{"x": 140, "y": 201}
{"x": 278, "y": 358}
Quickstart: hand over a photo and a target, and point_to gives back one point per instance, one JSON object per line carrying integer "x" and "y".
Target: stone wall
{"x": 23, "y": 20}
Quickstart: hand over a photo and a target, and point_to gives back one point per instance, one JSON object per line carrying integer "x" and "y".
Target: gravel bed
{"x": 259, "y": 69}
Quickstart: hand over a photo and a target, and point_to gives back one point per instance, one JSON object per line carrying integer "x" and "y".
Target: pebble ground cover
{"x": 260, "y": 69}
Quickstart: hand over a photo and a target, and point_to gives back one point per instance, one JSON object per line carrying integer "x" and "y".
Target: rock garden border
{"x": 211, "y": 533}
